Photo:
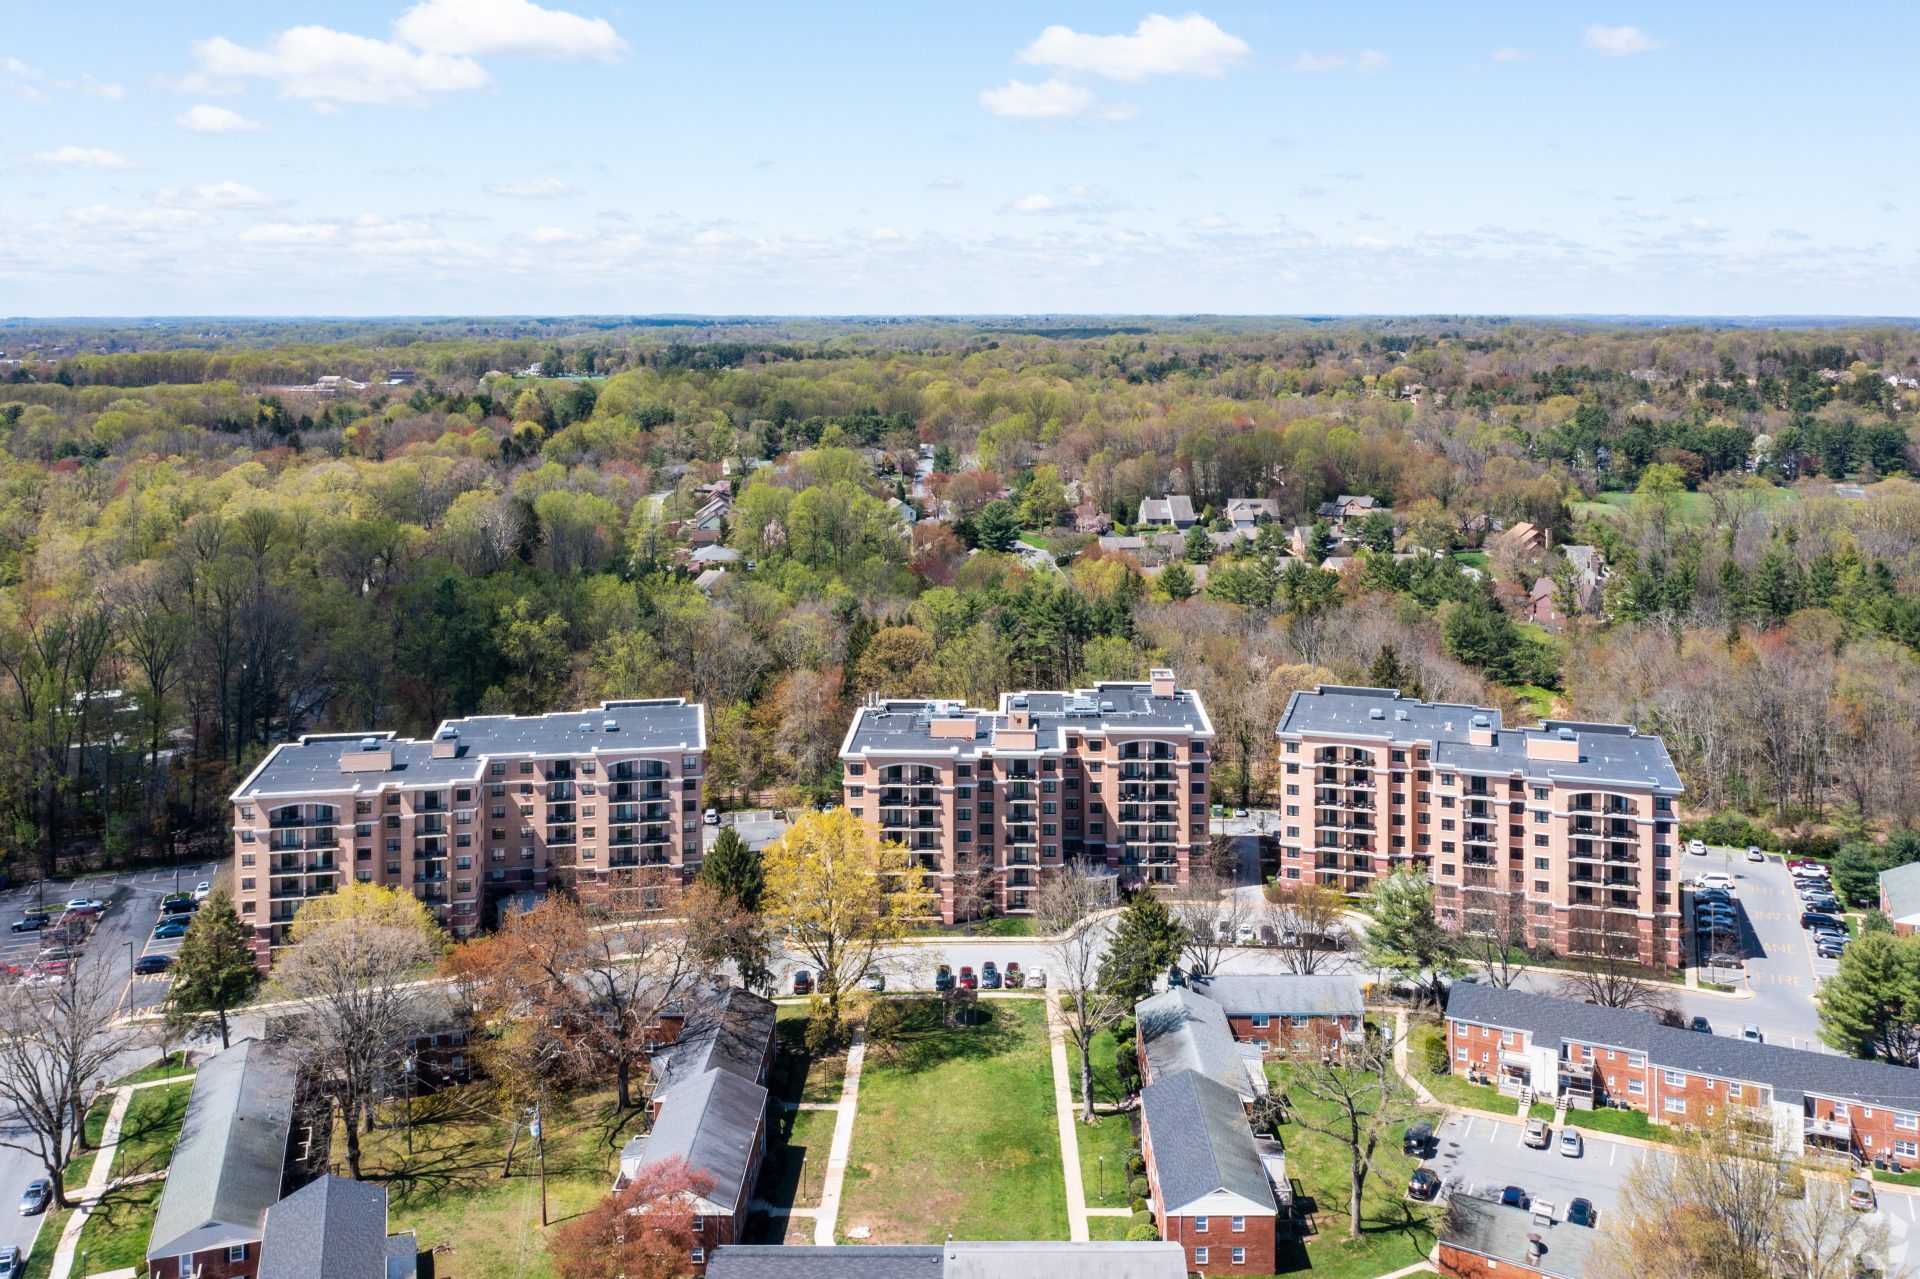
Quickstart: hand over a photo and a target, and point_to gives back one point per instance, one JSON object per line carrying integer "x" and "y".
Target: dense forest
{"x": 218, "y": 534}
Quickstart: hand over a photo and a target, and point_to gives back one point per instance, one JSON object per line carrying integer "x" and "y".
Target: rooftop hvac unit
{"x": 1483, "y": 721}
{"x": 1400, "y": 715}
{"x": 369, "y": 743}
{"x": 1566, "y": 734}
{"x": 609, "y": 725}
{"x": 1376, "y": 713}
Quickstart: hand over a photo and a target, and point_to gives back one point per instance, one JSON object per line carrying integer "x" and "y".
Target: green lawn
{"x": 121, "y": 1224}
{"x": 1472, "y": 559}
{"x": 797, "y": 1146}
{"x": 1106, "y": 1082}
{"x": 1694, "y": 508}
{"x": 1539, "y": 700}
{"x": 797, "y": 1074}
{"x": 1112, "y": 1229}
{"x": 956, "y": 1132}
{"x": 1112, "y": 1137}
{"x": 78, "y": 1169}
{"x": 167, "y": 1067}
{"x": 449, "y": 1189}
{"x": 1623, "y": 1123}
{"x": 1395, "y": 1231}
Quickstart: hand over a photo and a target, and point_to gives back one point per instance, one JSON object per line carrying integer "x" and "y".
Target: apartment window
{"x": 1293, "y": 810}
{"x": 526, "y": 767}
{"x": 393, "y": 799}
{"x": 1293, "y": 832}
{"x": 393, "y": 845}
{"x": 1674, "y": 1105}
{"x": 185, "y": 1264}
{"x": 1239, "y": 1225}
{"x": 1239, "y": 1256}
{"x": 463, "y": 794}
{"x": 1906, "y": 1149}
{"x": 1541, "y": 841}
{"x": 1733, "y": 1091}
{"x": 689, "y": 763}
{"x": 1292, "y": 789}
{"x": 1293, "y": 748}
{"x": 1539, "y": 792}
{"x": 1907, "y": 1123}
{"x": 1540, "y": 818}
{"x": 1200, "y": 1225}
{"x": 1635, "y": 1087}
{"x": 1261, "y": 1020}
{"x": 1540, "y": 863}
{"x": 699, "y": 1256}
{"x": 1540, "y": 886}
{"x": 964, "y": 813}
{"x": 363, "y": 876}
{"x": 463, "y": 840}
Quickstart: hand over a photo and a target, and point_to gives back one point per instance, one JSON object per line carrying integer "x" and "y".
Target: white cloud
{"x": 551, "y": 235}
{"x": 1035, "y": 203}
{"x": 1189, "y": 46}
{"x": 1619, "y": 42}
{"x": 321, "y": 65}
{"x": 1506, "y": 53}
{"x": 1366, "y": 60}
{"x": 214, "y": 195}
{"x": 291, "y": 233}
{"x": 73, "y": 157}
{"x": 1050, "y": 100}
{"x": 482, "y": 27}
{"x": 532, "y": 189}
{"x": 102, "y": 88}
{"x": 1371, "y": 242}
{"x": 205, "y": 118}
{"x": 945, "y": 183}
{"x": 31, "y": 83}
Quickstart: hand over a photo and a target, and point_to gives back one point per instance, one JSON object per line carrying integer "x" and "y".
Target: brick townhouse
{"x": 1287, "y": 1012}
{"x": 1900, "y": 897}
{"x": 1178, "y": 1031}
{"x": 1594, "y": 1056}
{"x": 493, "y": 808}
{"x": 1566, "y": 830}
{"x": 988, "y": 801}
{"x": 1216, "y": 1189}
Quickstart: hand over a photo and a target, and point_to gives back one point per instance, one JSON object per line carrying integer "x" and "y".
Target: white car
{"x": 202, "y": 890}
{"x": 1698, "y": 847}
{"x": 713, "y": 817}
{"x": 1715, "y": 879}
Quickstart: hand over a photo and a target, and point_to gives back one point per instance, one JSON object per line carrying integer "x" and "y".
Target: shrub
{"x": 1138, "y": 1187}
{"x": 823, "y": 1031}
{"x": 1434, "y": 1052}
{"x": 1139, "y": 1207}
{"x": 1141, "y": 1217}
{"x": 1142, "y": 1234}
{"x": 1733, "y": 830}
{"x": 1126, "y": 1066}
{"x": 1136, "y": 1166}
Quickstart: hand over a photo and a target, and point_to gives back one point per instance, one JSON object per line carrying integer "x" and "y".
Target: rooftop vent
{"x": 1536, "y": 1248}
{"x": 448, "y": 733}
{"x": 1106, "y": 706}
{"x": 586, "y": 728}
{"x": 1400, "y": 715}
{"x": 369, "y": 743}
{"x": 1566, "y": 735}
{"x": 1376, "y": 713}
{"x": 1483, "y": 721}
{"x": 1018, "y": 700}
{"x": 609, "y": 725}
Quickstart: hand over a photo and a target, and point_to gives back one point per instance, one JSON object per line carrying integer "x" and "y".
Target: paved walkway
{"x": 827, "y": 1215}
{"x": 1401, "y": 1035}
{"x": 1067, "y": 1117}
{"x": 100, "y": 1178}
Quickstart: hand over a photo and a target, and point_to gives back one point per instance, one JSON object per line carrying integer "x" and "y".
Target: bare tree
{"x": 1305, "y": 919}
{"x": 1607, "y": 968}
{"x": 351, "y": 971}
{"x": 1075, "y": 955}
{"x": 1210, "y": 914}
{"x": 56, "y": 1041}
{"x": 1493, "y": 933}
{"x": 1362, "y": 1097}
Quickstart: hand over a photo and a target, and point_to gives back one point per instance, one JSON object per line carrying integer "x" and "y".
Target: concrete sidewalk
{"x": 1066, "y": 1119}
{"x": 827, "y": 1215}
{"x": 100, "y": 1178}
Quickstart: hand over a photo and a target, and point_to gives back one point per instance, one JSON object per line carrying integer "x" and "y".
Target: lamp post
{"x": 1103, "y": 1178}
{"x": 410, "y": 1063}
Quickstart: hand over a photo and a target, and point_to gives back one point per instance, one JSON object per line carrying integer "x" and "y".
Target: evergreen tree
{"x": 1199, "y": 547}
{"x": 734, "y": 870}
{"x": 1319, "y": 542}
{"x": 1871, "y": 1006}
{"x": 1176, "y": 581}
{"x": 1406, "y": 937}
{"x": 215, "y": 969}
{"x": 998, "y": 528}
{"x": 1145, "y": 943}
{"x": 1387, "y": 672}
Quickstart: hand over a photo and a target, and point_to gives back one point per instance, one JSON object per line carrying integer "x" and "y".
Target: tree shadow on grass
{"x": 924, "y": 1040}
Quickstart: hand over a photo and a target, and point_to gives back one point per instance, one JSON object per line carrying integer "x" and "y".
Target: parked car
{"x": 802, "y": 982}
{"x": 1514, "y": 1197}
{"x": 1859, "y": 1195}
{"x": 1015, "y": 978}
{"x": 875, "y": 981}
{"x": 1751, "y": 1033}
{"x": 1754, "y": 854}
{"x": 713, "y": 817}
{"x": 1538, "y": 1134}
{"x": 1830, "y": 947}
{"x": 1037, "y": 978}
{"x": 1701, "y": 1024}
{"x": 1424, "y": 1184}
{"x": 9, "y": 1261}
{"x": 1715, "y": 879}
{"x": 1248, "y": 935}
{"x": 1570, "y": 1144}
{"x": 83, "y": 906}
{"x": 1806, "y": 870}
{"x": 1814, "y": 918}
{"x": 29, "y": 923}
{"x": 943, "y": 978}
{"x": 967, "y": 980}
{"x": 1270, "y": 936}
{"x": 1581, "y": 1212}
{"x": 174, "y": 908}
{"x": 1698, "y": 847}
{"x": 38, "y": 1195}
{"x": 169, "y": 928}
{"x": 1418, "y": 1141}
{"x": 203, "y": 890}
{"x": 1725, "y": 959}
{"x": 989, "y": 976}
{"x": 59, "y": 952}
{"x": 148, "y": 964}
{"x": 1712, "y": 895}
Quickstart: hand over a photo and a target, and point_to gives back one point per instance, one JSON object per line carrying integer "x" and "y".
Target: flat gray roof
{"x": 1615, "y": 754}
{"x": 1497, "y": 1231}
{"x": 1125, "y": 707}
{"x": 311, "y": 765}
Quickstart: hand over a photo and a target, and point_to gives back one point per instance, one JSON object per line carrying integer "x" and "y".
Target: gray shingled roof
{"x": 332, "y": 1228}
{"x": 1494, "y": 1230}
{"x": 227, "y": 1164}
{"x": 312, "y": 764}
{"x": 1608, "y": 752}
{"x": 1202, "y": 1143}
{"x": 1121, "y": 706}
{"x": 1184, "y": 1032}
{"x": 712, "y": 1122}
{"x": 953, "y": 1260}
{"x": 1284, "y": 994}
{"x": 1900, "y": 891}
{"x": 1792, "y": 1073}
{"x": 732, "y": 1033}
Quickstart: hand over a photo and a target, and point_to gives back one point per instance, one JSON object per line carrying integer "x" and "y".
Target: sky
{"x": 415, "y": 157}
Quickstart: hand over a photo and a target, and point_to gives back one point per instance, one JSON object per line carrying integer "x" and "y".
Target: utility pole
{"x": 410, "y": 1065}
{"x": 540, "y": 1149}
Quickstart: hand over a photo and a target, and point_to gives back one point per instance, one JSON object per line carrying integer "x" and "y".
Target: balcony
{"x": 292, "y": 818}
{"x": 1831, "y": 1129}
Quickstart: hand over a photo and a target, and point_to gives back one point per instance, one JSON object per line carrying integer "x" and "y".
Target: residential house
{"x": 955, "y": 1259}
{"x": 401, "y": 377}
{"x": 1900, "y": 897}
{"x": 1590, "y": 574}
{"x": 1345, "y": 507}
{"x": 1589, "y": 1056}
{"x": 1113, "y": 776}
{"x": 334, "y": 1228}
{"x": 1287, "y": 1012}
{"x": 492, "y": 806}
{"x": 1584, "y": 812}
{"x": 1541, "y": 608}
{"x": 733, "y": 1032}
{"x": 714, "y": 1124}
{"x": 1088, "y": 518}
{"x": 1215, "y": 1189}
{"x": 712, "y": 555}
{"x": 1179, "y": 1032}
{"x": 227, "y": 1166}
{"x": 1521, "y": 538}
{"x": 708, "y": 578}
{"x": 903, "y": 511}
{"x": 1176, "y": 510}
{"x": 713, "y": 513}
{"x": 1248, "y": 512}
{"x": 1481, "y": 1239}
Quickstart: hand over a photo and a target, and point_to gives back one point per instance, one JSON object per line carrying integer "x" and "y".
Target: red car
{"x": 1015, "y": 978}
{"x": 967, "y": 979}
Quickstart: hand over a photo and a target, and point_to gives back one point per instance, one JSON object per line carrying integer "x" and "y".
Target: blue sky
{"x": 458, "y": 156}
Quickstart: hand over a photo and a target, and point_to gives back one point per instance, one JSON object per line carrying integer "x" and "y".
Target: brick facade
{"x": 214, "y": 1263}
{"x": 1292, "y": 1034}
{"x": 1210, "y": 1243}
{"x": 1461, "y": 1264}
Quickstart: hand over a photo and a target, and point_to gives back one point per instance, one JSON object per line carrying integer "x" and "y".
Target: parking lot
{"x": 1479, "y": 1156}
{"x": 1780, "y": 967}
{"x": 123, "y": 931}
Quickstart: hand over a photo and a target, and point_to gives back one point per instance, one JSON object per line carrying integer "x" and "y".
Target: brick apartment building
{"x": 1211, "y": 1182}
{"x": 495, "y": 807}
{"x": 1565, "y": 832}
{"x": 1287, "y": 1012}
{"x": 989, "y": 801}
{"x": 1594, "y": 1056}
